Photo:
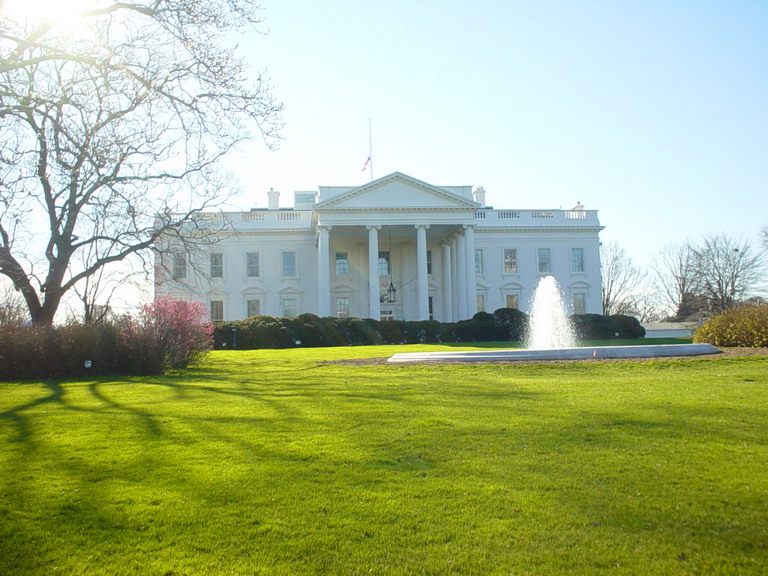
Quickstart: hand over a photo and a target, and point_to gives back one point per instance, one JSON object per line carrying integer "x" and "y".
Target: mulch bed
{"x": 724, "y": 353}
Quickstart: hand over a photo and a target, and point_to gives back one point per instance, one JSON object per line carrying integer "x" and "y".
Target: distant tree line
{"x": 685, "y": 282}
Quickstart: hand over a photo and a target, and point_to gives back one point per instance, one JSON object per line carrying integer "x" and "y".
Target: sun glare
{"x": 60, "y": 12}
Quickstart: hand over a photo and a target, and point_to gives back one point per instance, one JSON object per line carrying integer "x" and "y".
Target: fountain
{"x": 549, "y": 327}
{"x": 550, "y": 337}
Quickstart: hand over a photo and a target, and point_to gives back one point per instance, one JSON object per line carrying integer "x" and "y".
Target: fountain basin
{"x": 580, "y": 353}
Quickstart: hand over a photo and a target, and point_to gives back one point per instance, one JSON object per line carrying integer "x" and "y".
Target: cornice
{"x": 524, "y": 230}
{"x": 378, "y": 209}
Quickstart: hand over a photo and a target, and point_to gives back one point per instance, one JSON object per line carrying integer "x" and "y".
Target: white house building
{"x": 395, "y": 247}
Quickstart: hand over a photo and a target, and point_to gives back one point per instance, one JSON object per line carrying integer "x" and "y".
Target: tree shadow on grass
{"x": 16, "y": 415}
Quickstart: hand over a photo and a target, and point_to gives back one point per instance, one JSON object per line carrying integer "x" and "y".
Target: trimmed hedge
{"x": 598, "y": 327}
{"x": 741, "y": 326}
{"x": 308, "y": 330}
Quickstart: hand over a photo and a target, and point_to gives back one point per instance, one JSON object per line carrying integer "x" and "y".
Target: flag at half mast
{"x": 367, "y": 163}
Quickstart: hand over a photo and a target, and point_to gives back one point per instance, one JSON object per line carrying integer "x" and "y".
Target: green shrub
{"x": 512, "y": 322}
{"x": 599, "y": 327}
{"x": 391, "y": 332}
{"x": 363, "y": 333}
{"x": 741, "y": 326}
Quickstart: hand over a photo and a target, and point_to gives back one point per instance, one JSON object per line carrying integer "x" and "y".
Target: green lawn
{"x": 270, "y": 462}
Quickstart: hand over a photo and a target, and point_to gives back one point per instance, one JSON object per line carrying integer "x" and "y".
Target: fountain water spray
{"x": 549, "y": 327}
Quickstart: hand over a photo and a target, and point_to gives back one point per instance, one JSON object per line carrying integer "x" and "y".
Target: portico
{"x": 431, "y": 269}
{"x": 414, "y": 237}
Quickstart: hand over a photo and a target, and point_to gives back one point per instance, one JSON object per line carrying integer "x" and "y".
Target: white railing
{"x": 266, "y": 219}
{"x": 534, "y": 217}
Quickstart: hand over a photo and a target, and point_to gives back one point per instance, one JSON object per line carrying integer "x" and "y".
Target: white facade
{"x": 339, "y": 251}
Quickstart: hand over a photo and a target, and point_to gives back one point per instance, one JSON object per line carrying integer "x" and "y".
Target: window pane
{"x": 577, "y": 259}
{"x": 429, "y": 261}
{"x": 253, "y": 306}
{"x": 545, "y": 261}
{"x": 579, "y": 303}
{"x": 217, "y": 265}
{"x": 290, "y": 307}
{"x": 481, "y": 303}
{"x": 511, "y": 301}
{"x": 383, "y": 263}
{"x": 510, "y": 261}
{"x": 342, "y": 307}
{"x": 179, "y": 266}
{"x": 217, "y": 310}
{"x": 479, "y": 268}
{"x": 342, "y": 263}
{"x": 253, "y": 265}
{"x": 289, "y": 264}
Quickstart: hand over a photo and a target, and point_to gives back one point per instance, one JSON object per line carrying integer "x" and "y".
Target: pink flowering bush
{"x": 168, "y": 334}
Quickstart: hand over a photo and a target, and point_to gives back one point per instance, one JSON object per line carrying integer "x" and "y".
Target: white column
{"x": 323, "y": 272}
{"x": 374, "y": 290}
{"x": 461, "y": 277}
{"x": 454, "y": 278}
{"x": 447, "y": 292}
{"x": 469, "y": 240}
{"x": 421, "y": 271}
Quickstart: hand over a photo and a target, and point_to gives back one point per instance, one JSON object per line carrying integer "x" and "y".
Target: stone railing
{"x": 267, "y": 219}
{"x": 490, "y": 217}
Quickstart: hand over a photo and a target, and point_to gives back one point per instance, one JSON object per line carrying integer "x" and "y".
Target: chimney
{"x": 274, "y": 199}
{"x": 480, "y": 195}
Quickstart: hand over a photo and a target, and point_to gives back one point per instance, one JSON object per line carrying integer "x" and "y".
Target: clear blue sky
{"x": 655, "y": 113}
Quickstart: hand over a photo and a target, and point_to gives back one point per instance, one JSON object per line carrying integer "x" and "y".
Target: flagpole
{"x": 370, "y": 148}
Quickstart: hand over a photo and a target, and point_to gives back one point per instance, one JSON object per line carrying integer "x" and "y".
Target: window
{"x": 290, "y": 306}
{"x": 342, "y": 307}
{"x": 342, "y": 263}
{"x": 383, "y": 263}
{"x": 577, "y": 260}
{"x": 431, "y": 308}
{"x": 544, "y": 259}
{"x": 253, "y": 264}
{"x": 479, "y": 268}
{"x": 579, "y": 303}
{"x": 216, "y": 308}
{"x": 387, "y": 314}
{"x": 481, "y": 302}
{"x": 289, "y": 265}
{"x": 429, "y": 261}
{"x": 217, "y": 265}
{"x": 253, "y": 307}
{"x": 510, "y": 260}
{"x": 179, "y": 266}
{"x": 512, "y": 301}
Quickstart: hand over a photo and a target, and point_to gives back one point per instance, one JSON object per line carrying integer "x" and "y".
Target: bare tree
{"x": 677, "y": 280}
{"x": 13, "y": 311}
{"x": 728, "y": 270}
{"x": 621, "y": 280}
{"x": 644, "y": 305}
{"x": 112, "y": 138}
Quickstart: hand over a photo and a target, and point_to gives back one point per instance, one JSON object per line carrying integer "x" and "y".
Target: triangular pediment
{"x": 397, "y": 191}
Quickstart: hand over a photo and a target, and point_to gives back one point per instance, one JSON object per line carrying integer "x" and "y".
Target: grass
{"x": 269, "y": 462}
